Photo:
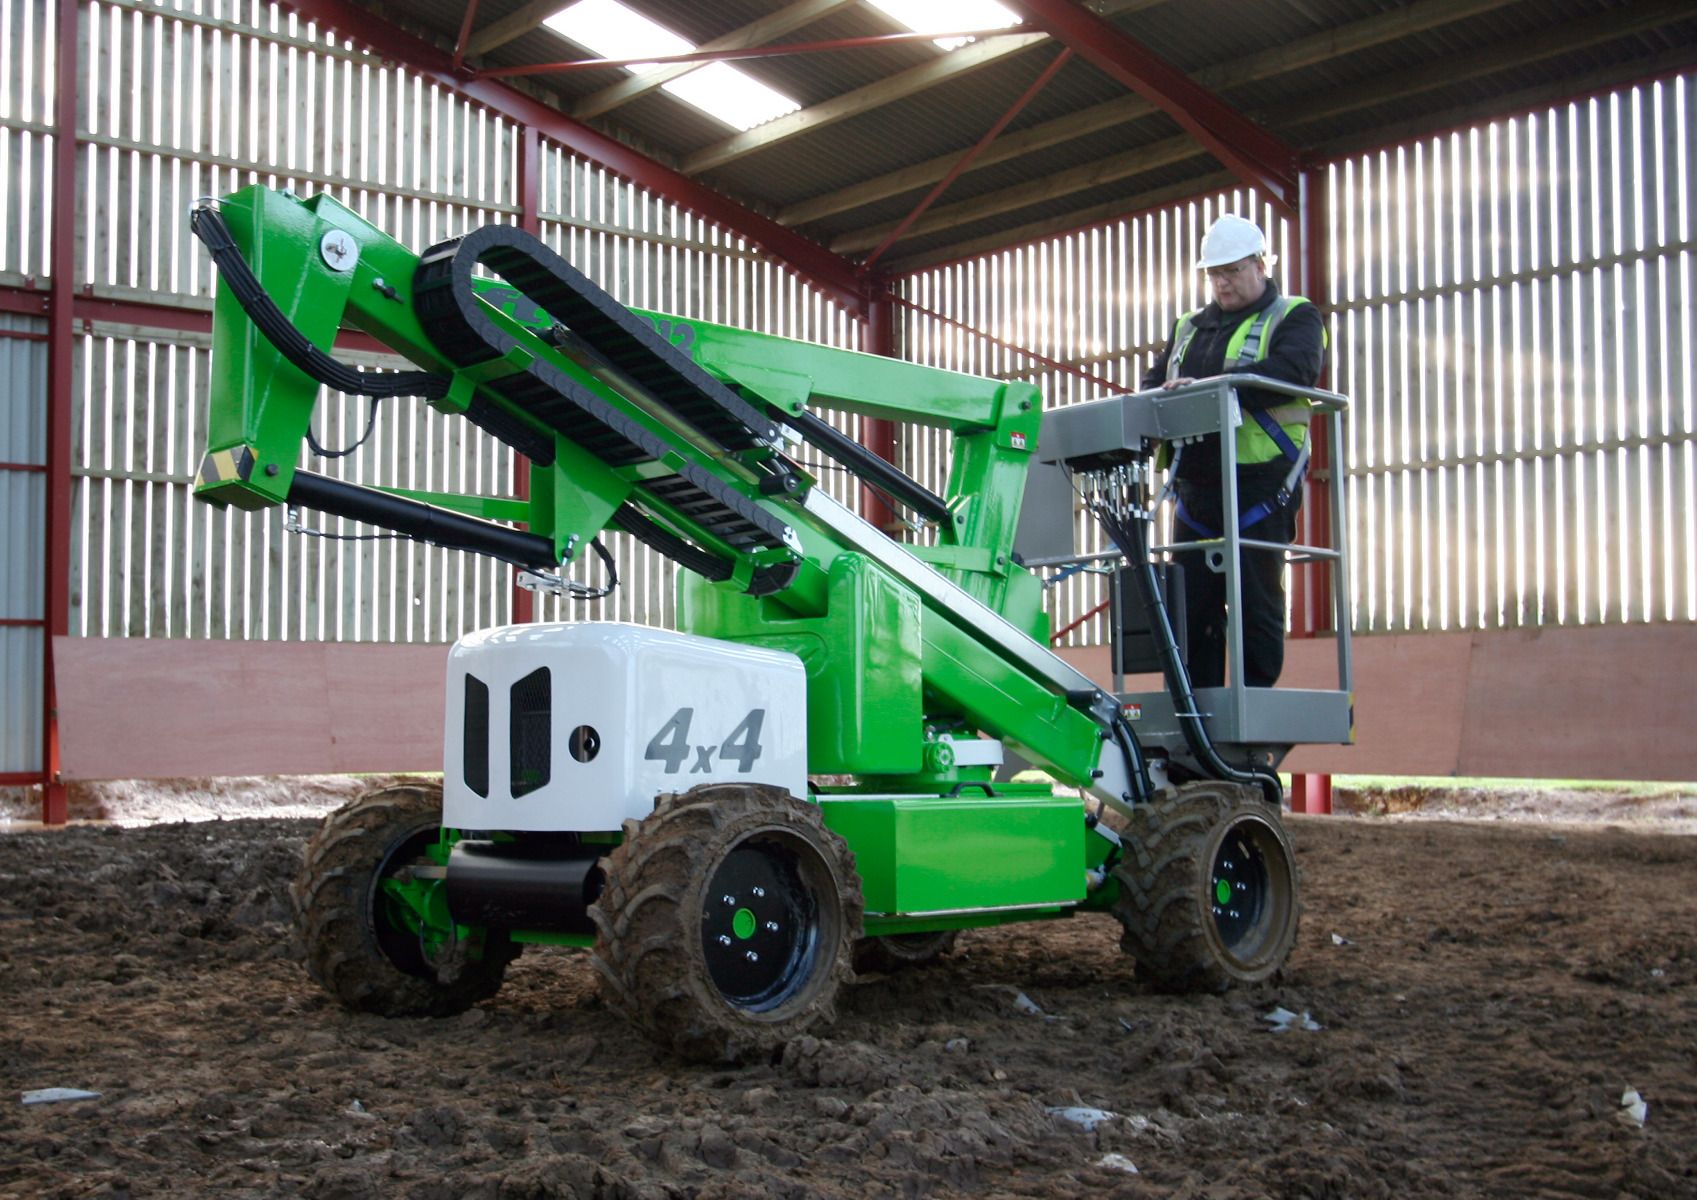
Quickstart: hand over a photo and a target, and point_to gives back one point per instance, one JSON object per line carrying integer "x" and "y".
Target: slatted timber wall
{"x": 1511, "y": 313}
{"x": 184, "y": 99}
{"x": 1512, "y": 309}
{"x": 1097, "y": 305}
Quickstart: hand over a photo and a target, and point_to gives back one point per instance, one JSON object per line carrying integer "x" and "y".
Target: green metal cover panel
{"x": 943, "y": 854}
{"x": 797, "y": 374}
{"x": 862, "y": 657}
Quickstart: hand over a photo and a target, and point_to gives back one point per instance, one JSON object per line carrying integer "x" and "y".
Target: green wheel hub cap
{"x": 760, "y": 925}
{"x": 1242, "y": 889}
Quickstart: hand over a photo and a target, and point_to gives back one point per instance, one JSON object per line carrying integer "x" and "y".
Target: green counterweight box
{"x": 941, "y": 854}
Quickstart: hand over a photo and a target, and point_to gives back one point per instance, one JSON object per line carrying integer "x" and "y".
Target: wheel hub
{"x": 758, "y": 927}
{"x": 1240, "y": 885}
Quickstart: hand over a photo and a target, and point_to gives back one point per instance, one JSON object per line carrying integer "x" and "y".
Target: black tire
{"x": 353, "y": 949}
{"x": 1183, "y": 856}
{"x": 726, "y": 922}
{"x": 898, "y": 951}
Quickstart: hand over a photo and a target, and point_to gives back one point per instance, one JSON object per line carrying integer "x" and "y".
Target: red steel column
{"x": 61, "y": 348}
{"x": 878, "y": 336}
{"x": 1311, "y": 591}
{"x": 530, "y": 220}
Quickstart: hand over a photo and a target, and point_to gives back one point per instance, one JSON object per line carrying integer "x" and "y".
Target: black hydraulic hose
{"x": 1133, "y": 541}
{"x": 441, "y": 527}
{"x": 885, "y": 476}
{"x": 425, "y": 522}
{"x": 1132, "y": 749}
{"x": 290, "y": 342}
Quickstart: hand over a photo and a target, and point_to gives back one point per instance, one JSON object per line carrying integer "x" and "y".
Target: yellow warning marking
{"x": 216, "y": 468}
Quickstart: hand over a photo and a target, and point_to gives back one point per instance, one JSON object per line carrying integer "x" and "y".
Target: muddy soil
{"x": 1484, "y": 995}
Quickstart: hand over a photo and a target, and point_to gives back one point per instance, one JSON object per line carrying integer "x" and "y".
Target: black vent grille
{"x": 531, "y": 750}
{"x": 476, "y": 752}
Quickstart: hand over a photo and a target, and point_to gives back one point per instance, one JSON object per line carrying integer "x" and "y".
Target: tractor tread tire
{"x": 1163, "y": 878}
{"x": 900, "y": 951}
{"x": 334, "y": 899}
{"x": 648, "y": 952}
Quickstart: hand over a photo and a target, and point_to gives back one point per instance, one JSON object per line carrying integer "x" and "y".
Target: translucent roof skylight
{"x": 610, "y": 30}
{"x": 945, "y": 16}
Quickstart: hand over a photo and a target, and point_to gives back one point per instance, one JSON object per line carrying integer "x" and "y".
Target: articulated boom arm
{"x": 682, "y": 434}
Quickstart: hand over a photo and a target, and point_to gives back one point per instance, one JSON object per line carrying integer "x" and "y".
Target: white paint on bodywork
{"x": 627, "y": 682}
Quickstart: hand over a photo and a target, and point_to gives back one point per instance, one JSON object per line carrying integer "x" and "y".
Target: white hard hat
{"x": 1228, "y": 240}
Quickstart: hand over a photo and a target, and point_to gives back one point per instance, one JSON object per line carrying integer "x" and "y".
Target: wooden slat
{"x": 1509, "y": 303}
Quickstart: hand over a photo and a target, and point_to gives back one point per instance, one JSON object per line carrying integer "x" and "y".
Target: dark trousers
{"x": 1261, "y": 576}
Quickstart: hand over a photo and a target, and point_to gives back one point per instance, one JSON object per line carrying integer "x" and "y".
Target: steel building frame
{"x": 1294, "y": 184}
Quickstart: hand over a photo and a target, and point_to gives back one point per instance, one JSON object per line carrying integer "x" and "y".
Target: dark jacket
{"x": 1293, "y": 356}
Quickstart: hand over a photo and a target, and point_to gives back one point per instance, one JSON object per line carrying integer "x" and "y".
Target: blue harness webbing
{"x": 1250, "y": 352}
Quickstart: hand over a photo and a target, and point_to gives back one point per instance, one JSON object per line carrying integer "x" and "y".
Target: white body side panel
{"x": 668, "y": 711}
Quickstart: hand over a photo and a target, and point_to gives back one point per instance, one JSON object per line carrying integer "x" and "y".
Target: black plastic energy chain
{"x": 462, "y": 328}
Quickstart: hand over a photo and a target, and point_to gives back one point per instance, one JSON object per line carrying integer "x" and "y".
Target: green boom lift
{"x": 808, "y": 777}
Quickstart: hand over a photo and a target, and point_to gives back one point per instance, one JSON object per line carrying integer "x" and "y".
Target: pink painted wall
{"x": 1593, "y": 703}
{"x": 139, "y": 708}
{"x": 1603, "y": 702}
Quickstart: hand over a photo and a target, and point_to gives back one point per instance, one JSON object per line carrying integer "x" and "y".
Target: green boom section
{"x": 993, "y": 426}
{"x": 896, "y": 670}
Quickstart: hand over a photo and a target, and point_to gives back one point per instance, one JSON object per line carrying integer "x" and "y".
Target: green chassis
{"x": 419, "y": 905}
{"x": 897, "y": 657}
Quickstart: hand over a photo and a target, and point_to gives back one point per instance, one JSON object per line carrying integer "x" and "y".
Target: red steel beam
{"x": 1660, "y": 75}
{"x": 1052, "y": 364}
{"x": 20, "y": 779}
{"x": 966, "y": 159}
{"x": 1311, "y": 584}
{"x": 61, "y": 354}
{"x": 530, "y": 220}
{"x": 830, "y": 273}
{"x": 1311, "y": 793}
{"x": 878, "y": 336}
{"x": 1068, "y": 628}
{"x": 773, "y": 50}
{"x": 1256, "y": 155}
{"x": 464, "y": 39}
{"x": 86, "y": 310}
{"x": 148, "y": 314}
{"x": 1311, "y": 607}
{"x": 27, "y": 302}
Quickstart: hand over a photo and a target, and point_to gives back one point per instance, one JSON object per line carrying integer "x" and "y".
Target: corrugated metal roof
{"x": 1347, "y": 71}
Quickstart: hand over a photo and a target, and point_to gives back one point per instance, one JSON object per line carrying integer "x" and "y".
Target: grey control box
{"x": 1103, "y": 431}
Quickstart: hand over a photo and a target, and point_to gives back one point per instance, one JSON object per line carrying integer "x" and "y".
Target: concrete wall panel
{"x": 1578, "y": 703}
{"x": 162, "y": 708}
{"x": 1593, "y": 703}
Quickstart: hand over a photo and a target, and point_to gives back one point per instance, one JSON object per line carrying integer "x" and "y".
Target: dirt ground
{"x": 1484, "y": 991}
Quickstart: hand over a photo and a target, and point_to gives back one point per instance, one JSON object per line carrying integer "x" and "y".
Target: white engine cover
{"x": 629, "y": 712}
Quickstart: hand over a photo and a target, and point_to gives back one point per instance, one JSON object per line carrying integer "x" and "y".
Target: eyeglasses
{"x": 1232, "y": 271}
